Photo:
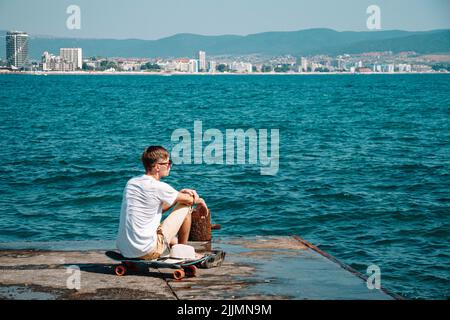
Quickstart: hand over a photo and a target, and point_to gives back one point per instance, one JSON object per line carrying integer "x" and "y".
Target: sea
{"x": 362, "y": 170}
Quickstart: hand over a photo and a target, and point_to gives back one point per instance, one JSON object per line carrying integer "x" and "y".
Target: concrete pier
{"x": 254, "y": 268}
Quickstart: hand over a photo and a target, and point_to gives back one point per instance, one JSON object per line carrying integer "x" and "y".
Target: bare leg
{"x": 173, "y": 242}
{"x": 172, "y": 225}
{"x": 183, "y": 233}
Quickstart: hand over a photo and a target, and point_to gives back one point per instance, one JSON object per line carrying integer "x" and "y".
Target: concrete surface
{"x": 254, "y": 268}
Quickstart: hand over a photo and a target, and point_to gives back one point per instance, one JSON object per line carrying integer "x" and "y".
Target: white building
{"x": 181, "y": 65}
{"x": 315, "y": 66}
{"x": 404, "y": 67}
{"x": 421, "y": 68}
{"x": 340, "y": 64}
{"x": 202, "y": 61}
{"x": 93, "y": 64}
{"x": 130, "y": 65}
{"x": 303, "y": 66}
{"x": 168, "y": 66}
{"x": 50, "y": 62}
{"x": 241, "y": 67}
{"x": 16, "y": 48}
{"x": 193, "y": 66}
{"x": 212, "y": 66}
{"x": 73, "y": 55}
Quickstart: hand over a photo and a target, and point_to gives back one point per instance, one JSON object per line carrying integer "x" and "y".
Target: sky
{"x": 150, "y": 19}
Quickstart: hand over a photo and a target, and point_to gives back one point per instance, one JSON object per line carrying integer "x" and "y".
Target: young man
{"x": 145, "y": 198}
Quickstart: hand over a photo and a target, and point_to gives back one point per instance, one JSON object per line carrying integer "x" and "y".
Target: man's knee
{"x": 174, "y": 241}
{"x": 180, "y": 206}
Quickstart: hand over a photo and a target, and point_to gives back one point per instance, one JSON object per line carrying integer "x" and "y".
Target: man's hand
{"x": 201, "y": 202}
{"x": 191, "y": 192}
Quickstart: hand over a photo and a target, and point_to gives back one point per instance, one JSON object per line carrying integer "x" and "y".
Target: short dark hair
{"x": 153, "y": 155}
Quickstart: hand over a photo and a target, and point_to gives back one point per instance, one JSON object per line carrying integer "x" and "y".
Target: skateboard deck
{"x": 185, "y": 267}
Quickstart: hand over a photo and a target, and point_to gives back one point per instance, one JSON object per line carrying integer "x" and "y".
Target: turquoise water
{"x": 364, "y": 169}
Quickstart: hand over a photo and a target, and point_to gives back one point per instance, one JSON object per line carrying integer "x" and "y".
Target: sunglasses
{"x": 170, "y": 163}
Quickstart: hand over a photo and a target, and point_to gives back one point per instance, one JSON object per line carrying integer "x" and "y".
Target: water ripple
{"x": 364, "y": 162}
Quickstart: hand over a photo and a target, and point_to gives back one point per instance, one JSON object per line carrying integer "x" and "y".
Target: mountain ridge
{"x": 301, "y": 42}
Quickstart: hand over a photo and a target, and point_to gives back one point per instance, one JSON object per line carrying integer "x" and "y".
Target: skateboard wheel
{"x": 178, "y": 274}
{"x": 120, "y": 270}
{"x": 190, "y": 271}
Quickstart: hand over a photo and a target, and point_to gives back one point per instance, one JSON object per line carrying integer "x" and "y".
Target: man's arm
{"x": 192, "y": 193}
{"x": 167, "y": 207}
{"x": 187, "y": 197}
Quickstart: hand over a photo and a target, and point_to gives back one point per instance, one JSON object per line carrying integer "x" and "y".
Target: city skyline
{"x": 299, "y": 43}
{"x": 375, "y": 59}
{"x": 154, "y": 20}
{"x": 71, "y": 59}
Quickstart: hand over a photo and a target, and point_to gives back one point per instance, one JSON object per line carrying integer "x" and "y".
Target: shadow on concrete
{"x": 101, "y": 268}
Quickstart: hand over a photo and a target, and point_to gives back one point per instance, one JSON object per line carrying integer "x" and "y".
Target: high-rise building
{"x": 212, "y": 66}
{"x": 303, "y": 66}
{"x": 51, "y": 62}
{"x": 16, "y": 48}
{"x": 201, "y": 61}
{"x": 193, "y": 66}
{"x": 73, "y": 55}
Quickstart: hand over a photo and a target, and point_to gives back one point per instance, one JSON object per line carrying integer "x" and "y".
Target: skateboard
{"x": 184, "y": 268}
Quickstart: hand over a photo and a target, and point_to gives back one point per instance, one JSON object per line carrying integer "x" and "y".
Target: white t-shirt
{"x": 141, "y": 213}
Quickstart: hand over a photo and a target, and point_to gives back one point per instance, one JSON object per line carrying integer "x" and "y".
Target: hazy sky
{"x": 150, "y": 19}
